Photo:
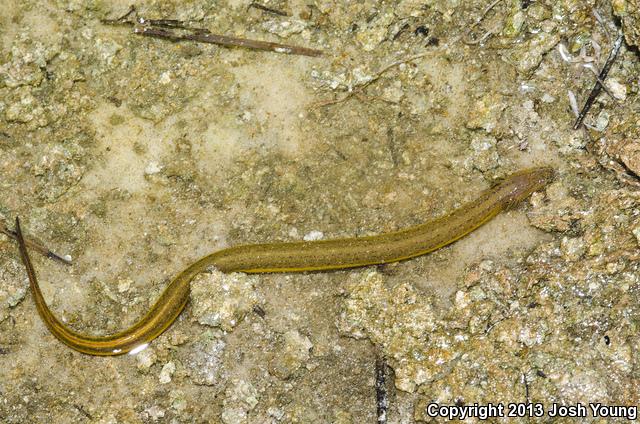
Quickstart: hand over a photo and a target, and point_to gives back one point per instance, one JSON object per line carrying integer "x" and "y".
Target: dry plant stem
{"x": 466, "y": 39}
{"x": 224, "y": 40}
{"x": 599, "y": 82}
{"x": 609, "y": 93}
{"x": 122, "y": 20}
{"x": 268, "y": 9}
{"x": 486, "y": 10}
{"x": 382, "y": 398}
{"x": 357, "y": 91}
{"x": 164, "y": 28}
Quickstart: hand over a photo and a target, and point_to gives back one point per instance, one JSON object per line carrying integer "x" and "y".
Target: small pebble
{"x": 313, "y": 235}
{"x": 152, "y": 168}
{"x": 167, "y": 371}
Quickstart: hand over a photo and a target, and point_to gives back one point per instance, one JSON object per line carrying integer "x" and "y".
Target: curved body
{"x": 297, "y": 257}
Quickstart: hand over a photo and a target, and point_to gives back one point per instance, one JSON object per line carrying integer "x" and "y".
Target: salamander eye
{"x": 511, "y": 202}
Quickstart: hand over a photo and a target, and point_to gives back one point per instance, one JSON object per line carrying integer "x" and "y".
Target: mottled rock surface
{"x": 137, "y": 156}
{"x": 629, "y": 12}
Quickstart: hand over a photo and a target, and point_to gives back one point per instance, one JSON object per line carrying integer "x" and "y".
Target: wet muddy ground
{"x": 136, "y": 156}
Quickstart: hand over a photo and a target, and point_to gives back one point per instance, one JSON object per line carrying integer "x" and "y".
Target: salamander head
{"x": 519, "y": 185}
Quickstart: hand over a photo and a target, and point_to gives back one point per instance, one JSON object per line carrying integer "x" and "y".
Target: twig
{"x": 484, "y": 13}
{"x": 602, "y": 23}
{"x": 268, "y": 9}
{"x": 599, "y": 82}
{"x": 382, "y": 399}
{"x": 358, "y": 89}
{"x": 465, "y": 38}
{"x": 400, "y": 31}
{"x": 167, "y": 29}
{"x": 526, "y": 387}
{"x": 35, "y": 246}
{"x": 132, "y": 19}
{"x": 122, "y": 20}
{"x": 227, "y": 41}
{"x": 83, "y": 411}
{"x": 593, "y": 69}
{"x": 480, "y": 40}
{"x": 609, "y": 93}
